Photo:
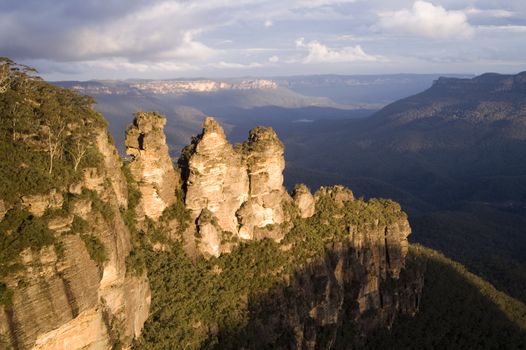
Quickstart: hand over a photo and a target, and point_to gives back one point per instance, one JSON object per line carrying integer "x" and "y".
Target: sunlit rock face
{"x": 218, "y": 178}
{"x": 241, "y": 186}
{"x": 264, "y": 156}
{"x": 359, "y": 284}
{"x": 304, "y": 201}
{"x": 63, "y": 299}
{"x": 151, "y": 166}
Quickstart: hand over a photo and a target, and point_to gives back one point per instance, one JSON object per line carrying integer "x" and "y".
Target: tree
{"x": 15, "y": 72}
{"x": 78, "y": 149}
{"x": 54, "y": 141}
{"x": 4, "y": 77}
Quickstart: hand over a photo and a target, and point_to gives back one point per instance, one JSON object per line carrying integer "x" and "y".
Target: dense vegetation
{"x": 45, "y": 133}
{"x": 459, "y": 310}
{"x": 198, "y": 303}
{"x": 46, "y": 136}
{"x": 218, "y": 303}
{"x": 489, "y": 242}
{"x": 451, "y": 155}
{"x": 19, "y": 230}
{"x": 46, "y": 141}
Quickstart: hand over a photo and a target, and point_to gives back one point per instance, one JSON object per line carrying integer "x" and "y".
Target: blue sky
{"x": 83, "y": 39}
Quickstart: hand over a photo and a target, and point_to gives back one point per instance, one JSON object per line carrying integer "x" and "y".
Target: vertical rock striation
{"x": 241, "y": 187}
{"x": 264, "y": 156}
{"x": 360, "y": 283}
{"x": 217, "y": 179}
{"x": 151, "y": 166}
{"x": 304, "y": 201}
{"x": 63, "y": 298}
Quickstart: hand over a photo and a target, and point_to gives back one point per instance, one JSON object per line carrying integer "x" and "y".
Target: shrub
{"x": 95, "y": 248}
{"x": 20, "y": 230}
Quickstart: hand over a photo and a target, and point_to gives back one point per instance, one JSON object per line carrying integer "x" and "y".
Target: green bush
{"x": 136, "y": 260}
{"x": 20, "y": 230}
{"x": 6, "y": 295}
{"x": 32, "y": 113}
{"x": 95, "y": 248}
{"x": 190, "y": 297}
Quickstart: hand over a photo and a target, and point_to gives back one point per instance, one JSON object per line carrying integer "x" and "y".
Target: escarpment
{"x": 64, "y": 282}
{"x": 217, "y": 246}
{"x": 74, "y": 292}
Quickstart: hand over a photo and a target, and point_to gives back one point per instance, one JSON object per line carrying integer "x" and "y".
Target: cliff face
{"x": 359, "y": 285}
{"x": 63, "y": 298}
{"x": 265, "y": 161}
{"x": 336, "y": 265}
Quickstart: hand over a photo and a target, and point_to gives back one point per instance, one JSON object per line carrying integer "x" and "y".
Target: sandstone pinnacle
{"x": 151, "y": 166}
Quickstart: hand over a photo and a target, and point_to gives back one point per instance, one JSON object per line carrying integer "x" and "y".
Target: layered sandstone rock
{"x": 217, "y": 177}
{"x": 39, "y": 203}
{"x": 62, "y": 298}
{"x": 361, "y": 284}
{"x": 264, "y": 156}
{"x": 304, "y": 201}
{"x": 151, "y": 166}
{"x": 241, "y": 187}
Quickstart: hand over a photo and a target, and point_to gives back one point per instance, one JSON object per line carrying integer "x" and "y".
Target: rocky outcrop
{"x": 338, "y": 194}
{"x": 62, "y": 297}
{"x": 332, "y": 304}
{"x": 264, "y": 156}
{"x": 241, "y": 187}
{"x": 360, "y": 285}
{"x": 217, "y": 177}
{"x": 39, "y": 203}
{"x": 151, "y": 166}
{"x": 304, "y": 201}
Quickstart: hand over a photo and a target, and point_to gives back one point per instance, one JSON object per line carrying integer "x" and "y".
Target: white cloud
{"x": 189, "y": 49}
{"x": 502, "y": 29}
{"x": 233, "y": 65}
{"x": 206, "y": 37}
{"x": 139, "y": 67}
{"x": 320, "y": 3}
{"x": 427, "y": 20}
{"x": 497, "y": 13}
{"x": 319, "y": 53}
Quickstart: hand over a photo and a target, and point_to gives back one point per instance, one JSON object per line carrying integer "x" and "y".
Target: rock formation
{"x": 241, "y": 188}
{"x": 304, "y": 201}
{"x": 264, "y": 156}
{"x": 151, "y": 166}
{"x": 360, "y": 285}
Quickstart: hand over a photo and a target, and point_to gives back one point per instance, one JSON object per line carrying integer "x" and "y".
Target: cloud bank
{"x": 83, "y": 39}
{"x": 319, "y": 53}
{"x": 428, "y": 20}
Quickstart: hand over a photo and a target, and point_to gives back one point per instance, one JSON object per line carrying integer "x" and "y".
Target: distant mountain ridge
{"x": 172, "y": 86}
{"x": 455, "y": 113}
{"x": 453, "y": 155}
